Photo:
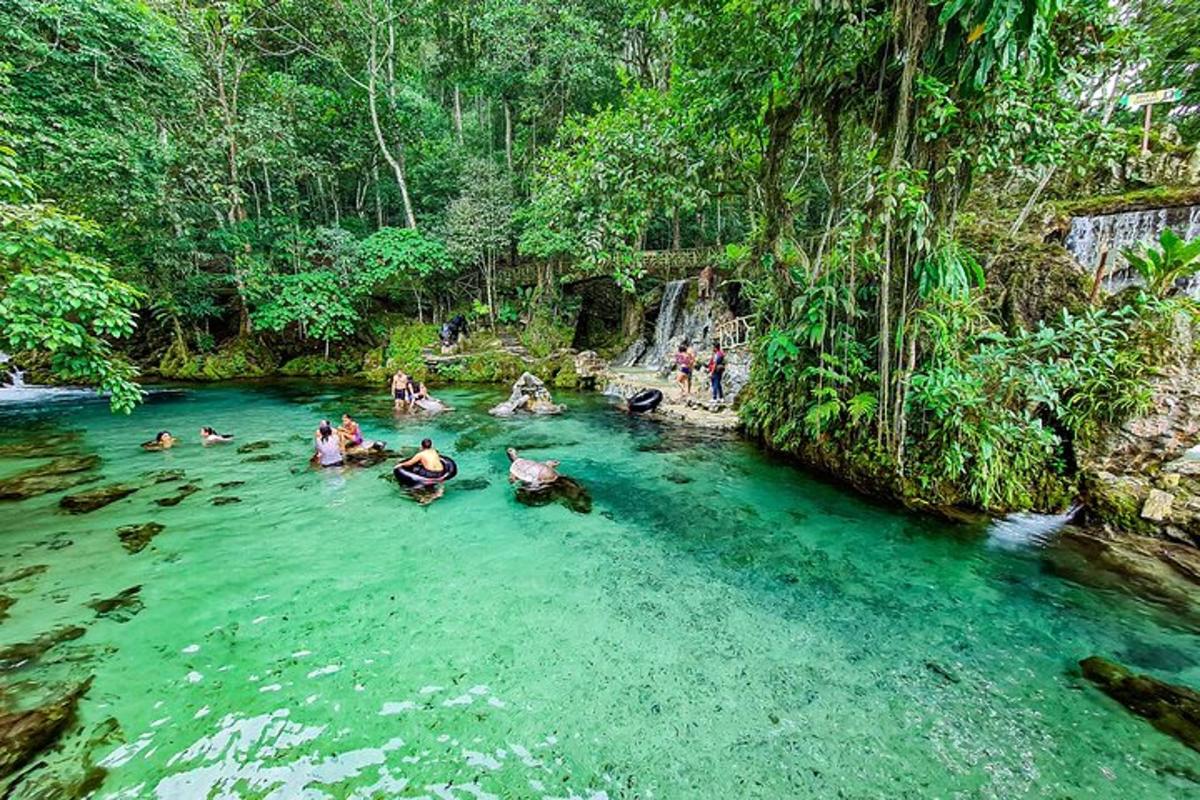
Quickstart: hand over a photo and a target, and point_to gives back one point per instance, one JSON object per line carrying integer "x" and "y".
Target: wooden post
{"x": 1146, "y": 129}
{"x": 1096, "y": 281}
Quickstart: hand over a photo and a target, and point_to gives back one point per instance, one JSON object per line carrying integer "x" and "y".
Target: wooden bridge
{"x": 667, "y": 265}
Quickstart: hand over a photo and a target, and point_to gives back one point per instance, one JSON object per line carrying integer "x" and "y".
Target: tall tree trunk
{"x": 508, "y": 135}
{"x": 395, "y": 161}
{"x": 458, "y": 114}
{"x": 676, "y": 235}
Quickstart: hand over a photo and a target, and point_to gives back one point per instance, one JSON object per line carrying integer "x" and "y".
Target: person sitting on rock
{"x": 209, "y": 436}
{"x": 349, "y": 432}
{"x": 163, "y": 440}
{"x": 427, "y": 462}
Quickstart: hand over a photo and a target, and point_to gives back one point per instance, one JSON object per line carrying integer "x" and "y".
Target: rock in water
{"x": 15, "y": 656}
{"x": 97, "y": 498}
{"x": 121, "y": 607}
{"x": 566, "y": 491}
{"x": 59, "y": 474}
{"x": 528, "y": 394}
{"x": 250, "y": 447}
{"x": 1174, "y": 710}
{"x": 528, "y": 471}
{"x": 23, "y": 734}
{"x": 226, "y": 500}
{"x": 182, "y": 493}
{"x": 134, "y": 538}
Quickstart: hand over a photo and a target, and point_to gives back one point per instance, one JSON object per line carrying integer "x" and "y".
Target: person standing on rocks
{"x": 707, "y": 279}
{"x": 685, "y": 360}
{"x": 716, "y": 371}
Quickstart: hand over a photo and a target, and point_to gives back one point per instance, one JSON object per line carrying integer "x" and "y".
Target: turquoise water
{"x": 719, "y": 626}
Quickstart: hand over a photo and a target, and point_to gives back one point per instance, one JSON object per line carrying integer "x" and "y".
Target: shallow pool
{"x": 719, "y": 626}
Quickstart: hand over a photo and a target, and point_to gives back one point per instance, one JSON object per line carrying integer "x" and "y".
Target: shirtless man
{"x": 427, "y": 461}
{"x": 400, "y": 393}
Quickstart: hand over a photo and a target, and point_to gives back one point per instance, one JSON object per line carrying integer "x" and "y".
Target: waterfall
{"x": 668, "y": 314}
{"x": 16, "y": 378}
{"x": 1089, "y": 235}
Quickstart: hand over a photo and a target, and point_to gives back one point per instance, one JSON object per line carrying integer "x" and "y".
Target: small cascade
{"x": 1088, "y": 237}
{"x": 1017, "y": 531}
{"x": 16, "y": 378}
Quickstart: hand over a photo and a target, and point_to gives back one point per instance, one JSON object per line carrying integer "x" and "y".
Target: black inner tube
{"x": 645, "y": 400}
{"x": 417, "y": 475}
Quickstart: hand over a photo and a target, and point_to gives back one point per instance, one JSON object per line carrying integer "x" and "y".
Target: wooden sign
{"x": 1150, "y": 98}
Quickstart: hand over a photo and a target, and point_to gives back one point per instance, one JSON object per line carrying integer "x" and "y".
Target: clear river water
{"x": 720, "y": 625}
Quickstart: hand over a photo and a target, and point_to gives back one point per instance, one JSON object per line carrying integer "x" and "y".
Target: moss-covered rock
{"x": 497, "y": 366}
{"x": 240, "y": 358}
{"x": 404, "y": 350}
{"x": 1174, "y": 710}
{"x": 312, "y": 367}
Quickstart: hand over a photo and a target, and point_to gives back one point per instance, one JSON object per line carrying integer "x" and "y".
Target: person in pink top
{"x": 685, "y": 361}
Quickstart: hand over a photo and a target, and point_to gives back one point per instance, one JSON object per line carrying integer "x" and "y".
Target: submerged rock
{"x": 230, "y": 484}
{"x": 370, "y": 456}
{"x": 1174, "y": 710}
{"x": 529, "y": 394}
{"x": 121, "y": 607}
{"x": 250, "y": 447}
{"x": 15, "y": 656}
{"x": 23, "y": 573}
{"x": 164, "y": 475}
{"x": 134, "y": 538}
{"x": 86, "y": 502}
{"x": 55, "y": 476}
{"x": 467, "y": 485}
{"x": 181, "y": 494}
{"x": 262, "y": 457}
{"x": 225, "y": 500}
{"x": 6, "y": 603}
{"x": 23, "y": 734}
{"x": 565, "y": 490}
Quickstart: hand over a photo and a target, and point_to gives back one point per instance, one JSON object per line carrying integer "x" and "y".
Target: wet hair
{"x": 325, "y": 431}
{"x": 683, "y": 347}
{"x": 158, "y": 437}
{"x": 426, "y": 444}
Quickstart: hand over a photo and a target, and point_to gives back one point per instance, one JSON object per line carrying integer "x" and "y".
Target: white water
{"x": 1089, "y": 236}
{"x": 1018, "y": 531}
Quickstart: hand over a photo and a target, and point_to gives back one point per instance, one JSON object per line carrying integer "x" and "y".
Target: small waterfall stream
{"x": 1088, "y": 236}
{"x": 668, "y": 314}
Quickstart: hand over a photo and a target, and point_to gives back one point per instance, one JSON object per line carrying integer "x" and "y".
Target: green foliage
{"x": 1160, "y": 268}
{"x": 56, "y": 299}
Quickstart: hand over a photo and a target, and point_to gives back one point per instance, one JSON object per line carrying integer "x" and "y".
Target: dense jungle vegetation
{"x": 211, "y": 189}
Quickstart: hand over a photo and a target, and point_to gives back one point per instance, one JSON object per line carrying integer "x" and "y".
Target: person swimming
{"x": 209, "y": 436}
{"x": 163, "y": 440}
{"x": 329, "y": 449}
{"x": 427, "y": 462}
{"x": 350, "y": 432}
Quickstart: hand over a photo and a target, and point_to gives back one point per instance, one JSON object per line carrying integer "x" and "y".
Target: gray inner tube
{"x": 645, "y": 400}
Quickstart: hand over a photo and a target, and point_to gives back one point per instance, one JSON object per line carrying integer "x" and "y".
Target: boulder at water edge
{"x": 528, "y": 394}
{"x": 23, "y": 734}
{"x": 97, "y": 498}
{"x": 1174, "y": 710}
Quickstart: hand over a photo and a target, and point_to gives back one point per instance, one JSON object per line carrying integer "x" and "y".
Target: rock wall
{"x": 1144, "y": 477}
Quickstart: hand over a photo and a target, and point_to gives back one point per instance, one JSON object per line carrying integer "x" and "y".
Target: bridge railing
{"x": 735, "y": 333}
{"x": 664, "y": 264}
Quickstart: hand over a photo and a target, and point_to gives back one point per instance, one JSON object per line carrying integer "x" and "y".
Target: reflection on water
{"x": 718, "y": 626}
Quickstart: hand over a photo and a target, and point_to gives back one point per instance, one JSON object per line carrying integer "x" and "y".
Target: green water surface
{"x": 719, "y": 626}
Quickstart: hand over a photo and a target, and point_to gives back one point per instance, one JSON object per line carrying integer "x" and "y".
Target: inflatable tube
{"x": 417, "y": 476}
{"x": 645, "y": 401}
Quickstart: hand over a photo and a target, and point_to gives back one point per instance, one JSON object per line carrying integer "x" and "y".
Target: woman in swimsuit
{"x": 686, "y": 363}
{"x": 210, "y": 436}
{"x": 350, "y": 433}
